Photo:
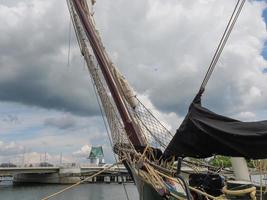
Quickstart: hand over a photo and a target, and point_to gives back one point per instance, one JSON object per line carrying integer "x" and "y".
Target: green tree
{"x": 220, "y": 161}
{"x": 224, "y": 161}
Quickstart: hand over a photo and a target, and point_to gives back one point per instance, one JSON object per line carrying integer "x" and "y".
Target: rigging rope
{"x": 226, "y": 34}
{"x": 80, "y": 182}
{"x": 108, "y": 132}
{"x": 69, "y": 37}
{"x": 73, "y": 22}
{"x": 86, "y": 55}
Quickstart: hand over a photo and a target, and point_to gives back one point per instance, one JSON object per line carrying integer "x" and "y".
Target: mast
{"x": 105, "y": 66}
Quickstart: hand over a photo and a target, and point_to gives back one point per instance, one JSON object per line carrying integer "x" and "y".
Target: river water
{"x": 82, "y": 192}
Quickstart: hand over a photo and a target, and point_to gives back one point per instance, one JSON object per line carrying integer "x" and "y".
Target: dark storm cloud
{"x": 65, "y": 122}
{"x": 163, "y": 48}
{"x": 33, "y": 59}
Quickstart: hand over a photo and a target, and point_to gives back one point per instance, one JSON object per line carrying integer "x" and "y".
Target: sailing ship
{"x": 155, "y": 157}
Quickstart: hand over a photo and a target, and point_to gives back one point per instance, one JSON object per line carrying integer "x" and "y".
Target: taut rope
{"x": 80, "y": 182}
{"x": 226, "y": 34}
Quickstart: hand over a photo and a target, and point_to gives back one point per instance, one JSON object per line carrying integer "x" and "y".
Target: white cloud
{"x": 165, "y": 47}
{"x": 65, "y": 122}
{"x": 246, "y": 116}
{"x": 170, "y": 120}
{"x": 21, "y": 155}
{"x": 162, "y": 47}
{"x": 83, "y": 152}
{"x": 35, "y": 158}
{"x": 10, "y": 148}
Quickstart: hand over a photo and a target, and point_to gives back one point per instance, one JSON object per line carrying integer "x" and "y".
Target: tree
{"x": 220, "y": 161}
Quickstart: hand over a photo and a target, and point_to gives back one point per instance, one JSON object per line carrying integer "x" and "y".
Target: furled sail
{"x": 124, "y": 87}
{"x": 204, "y": 133}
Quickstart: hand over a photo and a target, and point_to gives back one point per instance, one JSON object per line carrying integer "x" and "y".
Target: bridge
{"x": 65, "y": 174}
{"x": 10, "y": 171}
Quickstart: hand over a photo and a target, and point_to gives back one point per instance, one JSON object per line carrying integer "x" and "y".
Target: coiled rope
{"x": 251, "y": 191}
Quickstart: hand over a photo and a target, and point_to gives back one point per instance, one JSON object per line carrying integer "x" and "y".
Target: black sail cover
{"x": 204, "y": 133}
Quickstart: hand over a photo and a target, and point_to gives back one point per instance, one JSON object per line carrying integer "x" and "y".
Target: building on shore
{"x": 96, "y": 156}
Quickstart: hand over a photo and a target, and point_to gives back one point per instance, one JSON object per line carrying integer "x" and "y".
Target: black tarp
{"x": 204, "y": 133}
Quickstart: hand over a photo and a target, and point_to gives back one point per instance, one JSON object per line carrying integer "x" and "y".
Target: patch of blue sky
{"x": 21, "y": 134}
{"x": 261, "y": 115}
{"x": 264, "y": 50}
{"x": 57, "y": 150}
{"x": 8, "y": 107}
{"x": 265, "y": 13}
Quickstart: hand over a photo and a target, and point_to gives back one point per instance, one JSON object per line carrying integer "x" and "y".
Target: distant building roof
{"x": 7, "y": 165}
{"x": 96, "y": 152}
{"x": 45, "y": 164}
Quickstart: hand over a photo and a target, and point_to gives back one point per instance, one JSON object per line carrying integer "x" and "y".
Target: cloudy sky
{"x": 162, "y": 47}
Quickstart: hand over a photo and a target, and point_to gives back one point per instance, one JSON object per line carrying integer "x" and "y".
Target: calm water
{"x": 82, "y": 192}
